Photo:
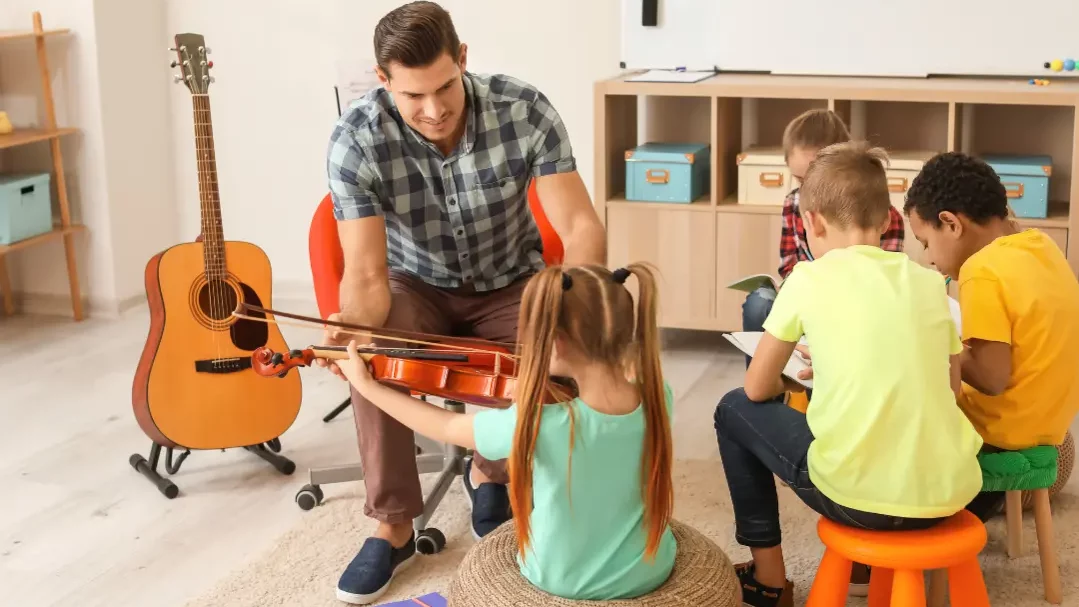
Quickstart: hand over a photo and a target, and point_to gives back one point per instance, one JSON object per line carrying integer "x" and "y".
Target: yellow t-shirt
{"x": 888, "y": 435}
{"x": 1020, "y": 290}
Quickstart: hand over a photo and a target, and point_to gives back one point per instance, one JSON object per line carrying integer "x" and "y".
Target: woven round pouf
{"x": 1065, "y": 462}
{"x": 489, "y": 577}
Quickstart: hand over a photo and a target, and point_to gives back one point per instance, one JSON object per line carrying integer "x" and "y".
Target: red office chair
{"x": 328, "y": 262}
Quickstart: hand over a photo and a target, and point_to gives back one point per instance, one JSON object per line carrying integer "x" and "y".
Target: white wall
{"x": 131, "y": 169}
{"x": 273, "y": 104}
{"x": 109, "y": 81}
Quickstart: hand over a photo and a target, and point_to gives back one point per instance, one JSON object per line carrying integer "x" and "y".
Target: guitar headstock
{"x": 192, "y": 59}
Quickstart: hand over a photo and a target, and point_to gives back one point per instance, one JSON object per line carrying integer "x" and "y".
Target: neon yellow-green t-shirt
{"x": 889, "y": 437}
{"x": 593, "y": 546}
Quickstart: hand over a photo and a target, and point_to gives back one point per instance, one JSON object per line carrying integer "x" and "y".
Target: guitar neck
{"x": 213, "y": 240}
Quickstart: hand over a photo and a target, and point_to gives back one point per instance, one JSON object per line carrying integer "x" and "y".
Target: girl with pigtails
{"x": 590, "y": 478}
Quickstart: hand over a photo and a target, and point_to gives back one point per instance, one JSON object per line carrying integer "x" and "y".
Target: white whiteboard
{"x": 855, "y": 37}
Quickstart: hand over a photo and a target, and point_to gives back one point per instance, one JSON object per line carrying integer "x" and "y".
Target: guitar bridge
{"x": 223, "y": 365}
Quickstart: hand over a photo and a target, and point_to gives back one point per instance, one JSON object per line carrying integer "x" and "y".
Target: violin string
{"x": 307, "y": 325}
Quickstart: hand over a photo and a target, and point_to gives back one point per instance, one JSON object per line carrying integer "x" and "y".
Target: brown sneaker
{"x": 859, "y": 580}
{"x": 755, "y": 594}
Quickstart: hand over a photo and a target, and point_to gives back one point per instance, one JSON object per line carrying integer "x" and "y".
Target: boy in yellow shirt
{"x": 1020, "y": 308}
{"x": 883, "y": 445}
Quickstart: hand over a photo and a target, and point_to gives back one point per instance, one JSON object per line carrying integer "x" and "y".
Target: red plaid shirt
{"x": 794, "y": 247}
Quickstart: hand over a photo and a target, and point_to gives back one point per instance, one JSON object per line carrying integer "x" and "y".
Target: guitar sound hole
{"x": 217, "y": 300}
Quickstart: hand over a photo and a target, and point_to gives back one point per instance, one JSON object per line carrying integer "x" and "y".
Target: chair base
{"x": 448, "y": 460}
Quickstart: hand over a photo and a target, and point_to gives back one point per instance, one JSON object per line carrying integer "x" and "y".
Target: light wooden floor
{"x": 79, "y": 526}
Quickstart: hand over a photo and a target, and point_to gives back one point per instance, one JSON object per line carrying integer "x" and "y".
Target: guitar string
{"x": 201, "y": 165}
{"x": 211, "y": 234}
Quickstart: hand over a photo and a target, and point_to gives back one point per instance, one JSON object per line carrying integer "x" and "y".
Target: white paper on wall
{"x": 355, "y": 78}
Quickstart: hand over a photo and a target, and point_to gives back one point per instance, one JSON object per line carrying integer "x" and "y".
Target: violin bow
{"x": 245, "y": 310}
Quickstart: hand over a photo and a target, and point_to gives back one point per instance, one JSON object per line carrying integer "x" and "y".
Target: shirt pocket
{"x": 501, "y": 197}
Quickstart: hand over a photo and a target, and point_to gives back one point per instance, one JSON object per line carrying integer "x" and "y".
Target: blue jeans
{"x": 759, "y": 440}
{"x": 755, "y": 310}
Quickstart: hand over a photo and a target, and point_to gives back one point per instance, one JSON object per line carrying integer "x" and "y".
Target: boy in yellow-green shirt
{"x": 1020, "y": 308}
{"x": 883, "y": 445}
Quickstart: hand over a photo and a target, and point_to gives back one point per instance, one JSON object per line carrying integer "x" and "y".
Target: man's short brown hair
{"x": 415, "y": 35}
{"x": 814, "y": 130}
{"x": 846, "y": 185}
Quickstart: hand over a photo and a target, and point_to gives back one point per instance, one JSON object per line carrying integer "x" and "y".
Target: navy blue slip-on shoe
{"x": 370, "y": 572}
{"x": 489, "y": 503}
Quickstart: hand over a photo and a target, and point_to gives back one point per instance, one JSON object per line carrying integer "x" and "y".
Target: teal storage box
{"x": 668, "y": 172}
{"x": 1026, "y": 180}
{"x": 25, "y": 207}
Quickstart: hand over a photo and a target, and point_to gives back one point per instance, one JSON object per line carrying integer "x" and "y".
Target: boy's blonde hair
{"x": 846, "y": 185}
{"x": 814, "y": 129}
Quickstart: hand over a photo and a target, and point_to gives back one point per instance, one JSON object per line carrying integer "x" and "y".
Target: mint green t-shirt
{"x": 594, "y": 547}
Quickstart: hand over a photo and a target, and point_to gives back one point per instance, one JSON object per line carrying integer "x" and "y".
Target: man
{"x": 429, "y": 176}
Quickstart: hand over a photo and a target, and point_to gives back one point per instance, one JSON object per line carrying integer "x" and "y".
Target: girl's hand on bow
{"x": 355, "y": 370}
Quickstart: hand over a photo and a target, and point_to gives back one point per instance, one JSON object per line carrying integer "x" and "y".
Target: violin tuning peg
{"x": 276, "y": 359}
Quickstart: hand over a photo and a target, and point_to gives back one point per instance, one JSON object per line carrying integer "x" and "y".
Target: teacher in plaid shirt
{"x": 429, "y": 176}
{"x": 806, "y": 135}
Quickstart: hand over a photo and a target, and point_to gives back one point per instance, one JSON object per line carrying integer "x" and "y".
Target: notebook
{"x": 428, "y": 600}
{"x": 747, "y": 341}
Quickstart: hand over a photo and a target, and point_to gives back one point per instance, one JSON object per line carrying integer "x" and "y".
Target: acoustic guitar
{"x": 194, "y": 387}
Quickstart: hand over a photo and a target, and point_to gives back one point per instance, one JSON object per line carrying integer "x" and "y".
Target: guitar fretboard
{"x": 213, "y": 240}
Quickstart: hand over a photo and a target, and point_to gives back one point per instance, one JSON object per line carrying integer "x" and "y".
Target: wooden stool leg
{"x": 908, "y": 588}
{"x": 1013, "y": 507}
{"x": 938, "y": 588}
{"x": 832, "y": 582}
{"x": 1043, "y": 523}
{"x": 880, "y": 587}
{"x": 966, "y": 586}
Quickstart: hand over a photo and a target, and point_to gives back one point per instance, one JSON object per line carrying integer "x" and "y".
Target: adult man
{"x": 429, "y": 176}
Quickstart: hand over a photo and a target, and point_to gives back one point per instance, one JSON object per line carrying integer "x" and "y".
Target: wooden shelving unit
{"x": 65, "y": 230}
{"x": 701, "y": 247}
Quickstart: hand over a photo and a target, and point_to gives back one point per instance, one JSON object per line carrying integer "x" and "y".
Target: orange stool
{"x": 898, "y": 560}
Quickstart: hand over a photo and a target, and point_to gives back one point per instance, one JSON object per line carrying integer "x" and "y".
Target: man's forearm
{"x": 365, "y": 301}
{"x": 587, "y": 244}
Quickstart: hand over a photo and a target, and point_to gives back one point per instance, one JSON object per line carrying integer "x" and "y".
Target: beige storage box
{"x": 903, "y": 167}
{"x": 763, "y": 176}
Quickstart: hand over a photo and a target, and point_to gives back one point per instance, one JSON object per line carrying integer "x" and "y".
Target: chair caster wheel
{"x": 430, "y": 541}
{"x": 309, "y": 496}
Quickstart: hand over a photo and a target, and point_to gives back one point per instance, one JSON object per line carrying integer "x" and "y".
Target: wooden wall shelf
{"x": 51, "y": 133}
{"x": 701, "y": 247}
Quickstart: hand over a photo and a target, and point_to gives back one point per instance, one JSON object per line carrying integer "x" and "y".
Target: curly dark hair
{"x": 957, "y": 183}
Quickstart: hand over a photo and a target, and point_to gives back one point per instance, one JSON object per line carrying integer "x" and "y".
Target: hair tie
{"x": 567, "y": 282}
{"x": 620, "y": 275}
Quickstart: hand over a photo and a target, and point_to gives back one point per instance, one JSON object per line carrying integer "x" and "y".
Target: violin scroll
{"x": 267, "y": 363}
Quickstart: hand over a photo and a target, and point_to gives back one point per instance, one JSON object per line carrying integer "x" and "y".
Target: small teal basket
{"x": 668, "y": 172}
{"x": 25, "y": 207}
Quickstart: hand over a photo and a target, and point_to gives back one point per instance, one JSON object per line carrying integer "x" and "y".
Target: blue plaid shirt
{"x": 462, "y": 220}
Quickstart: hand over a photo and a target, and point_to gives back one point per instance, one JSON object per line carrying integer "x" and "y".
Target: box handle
{"x": 657, "y": 175}
{"x": 897, "y": 185}
{"x": 771, "y": 180}
{"x": 29, "y": 189}
{"x": 1013, "y": 190}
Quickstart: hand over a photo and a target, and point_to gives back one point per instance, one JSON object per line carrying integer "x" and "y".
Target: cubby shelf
{"x": 910, "y": 118}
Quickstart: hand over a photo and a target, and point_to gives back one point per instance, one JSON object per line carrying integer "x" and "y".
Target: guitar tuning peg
{"x": 173, "y": 49}
{"x": 174, "y": 63}
{"x": 207, "y": 50}
{"x": 177, "y": 78}
{"x": 212, "y": 79}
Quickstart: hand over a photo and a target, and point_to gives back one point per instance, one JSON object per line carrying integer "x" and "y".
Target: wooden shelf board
{"x": 1063, "y": 91}
{"x": 15, "y": 35}
{"x": 699, "y": 205}
{"x": 24, "y": 136}
{"x": 40, "y": 238}
{"x": 730, "y": 205}
{"x": 1058, "y": 217}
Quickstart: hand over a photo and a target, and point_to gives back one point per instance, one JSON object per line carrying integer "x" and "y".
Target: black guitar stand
{"x": 268, "y": 451}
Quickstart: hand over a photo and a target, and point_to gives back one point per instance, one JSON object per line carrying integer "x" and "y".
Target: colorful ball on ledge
{"x": 1060, "y": 65}
{"x": 1069, "y": 65}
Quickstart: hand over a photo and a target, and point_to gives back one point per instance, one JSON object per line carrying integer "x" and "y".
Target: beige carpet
{"x": 302, "y": 570}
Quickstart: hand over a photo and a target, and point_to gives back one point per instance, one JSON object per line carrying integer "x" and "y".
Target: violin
{"x": 473, "y": 371}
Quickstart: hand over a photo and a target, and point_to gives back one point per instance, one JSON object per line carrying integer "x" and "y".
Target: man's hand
{"x": 332, "y": 336}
